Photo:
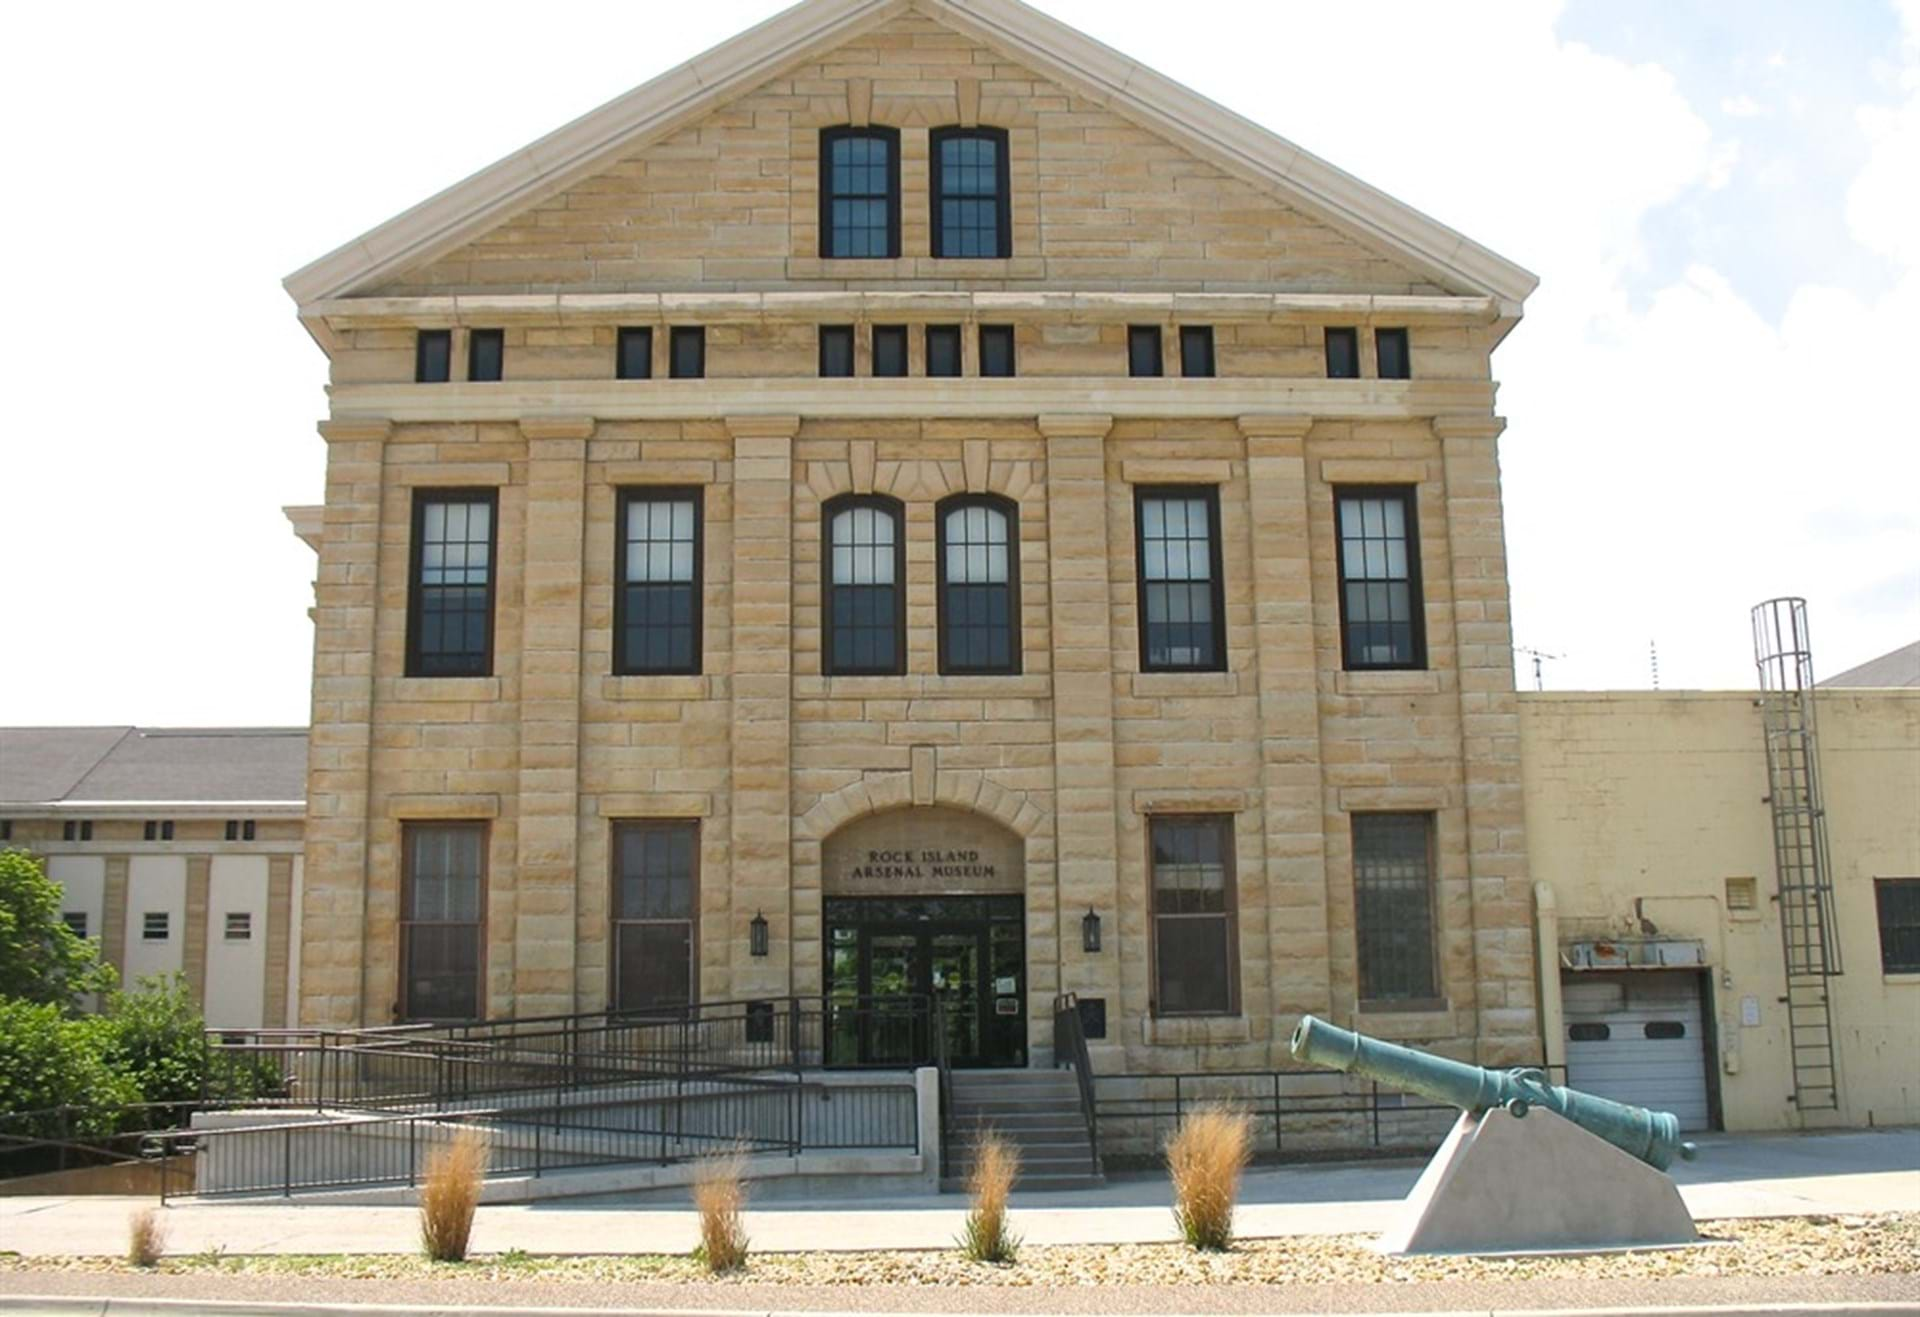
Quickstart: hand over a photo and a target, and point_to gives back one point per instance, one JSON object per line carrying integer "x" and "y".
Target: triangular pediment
{"x": 706, "y": 176}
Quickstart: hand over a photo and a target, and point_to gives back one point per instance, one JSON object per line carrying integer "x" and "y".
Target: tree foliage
{"x": 41, "y": 959}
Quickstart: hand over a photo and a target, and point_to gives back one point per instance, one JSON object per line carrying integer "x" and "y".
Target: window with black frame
{"x": 656, "y": 889}
{"x": 866, "y": 570}
{"x": 859, "y": 193}
{"x": 1393, "y": 907}
{"x": 1382, "y": 623}
{"x": 979, "y": 558}
{"x": 450, "y": 607}
{"x": 972, "y": 204}
{"x": 1181, "y": 606}
{"x": 1195, "y": 959}
{"x": 442, "y": 920}
{"x": 1897, "y": 902}
{"x": 657, "y": 610}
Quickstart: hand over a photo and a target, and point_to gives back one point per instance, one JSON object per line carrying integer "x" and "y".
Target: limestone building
{"x": 916, "y": 502}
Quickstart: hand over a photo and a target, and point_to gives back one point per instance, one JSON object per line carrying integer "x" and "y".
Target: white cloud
{"x": 1742, "y": 107}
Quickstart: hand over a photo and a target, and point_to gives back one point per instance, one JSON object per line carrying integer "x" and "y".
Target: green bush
{"x": 41, "y": 959}
{"x": 49, "y": 1059}
{"x": 157, "y": 1038}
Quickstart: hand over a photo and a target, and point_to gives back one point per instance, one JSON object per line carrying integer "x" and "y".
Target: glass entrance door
{"x": 888, "y": 958}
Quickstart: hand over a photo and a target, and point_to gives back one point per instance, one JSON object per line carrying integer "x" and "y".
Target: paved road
{"x": 1736, "y": 1176}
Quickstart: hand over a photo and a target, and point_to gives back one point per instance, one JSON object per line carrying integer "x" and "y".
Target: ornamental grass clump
{"x": 450, "y": 1194}
{"x": 719, "y": 1194}
{"x": 1205, "y": 1157}
{"x": 996, "y": 1165}
{"x": 146, "y": 1238}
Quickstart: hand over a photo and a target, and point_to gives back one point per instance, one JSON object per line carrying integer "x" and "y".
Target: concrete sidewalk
{"x": 1736, "y": 1176}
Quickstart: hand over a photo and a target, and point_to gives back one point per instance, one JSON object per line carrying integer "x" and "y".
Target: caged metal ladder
{"x": 1808, "y": 942}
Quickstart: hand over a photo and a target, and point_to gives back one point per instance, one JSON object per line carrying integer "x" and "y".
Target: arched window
{"x": 979, "y": 569}
{"x": 864, "y": 607}
{"x": 859, "y": 193}
{"x": 972, "y": 195}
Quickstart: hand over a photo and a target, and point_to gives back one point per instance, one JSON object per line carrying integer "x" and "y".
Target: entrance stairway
{"x": 1036, "y": 1110}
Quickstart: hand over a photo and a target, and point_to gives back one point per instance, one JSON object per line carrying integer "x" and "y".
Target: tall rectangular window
{"x": 836, "y": 351}
{"x": 1144, "y": 358}
{"x": 433, "y": 356}
{"x": 1382, "y": 623}
{"x": 486, "y": 354}
{"x": 1390, "y": 348}
{"x": 687, "y": 352}
{"x": 1195, "y": 950}
{"x": 996, "y": 350}
{"x": 634, "y": 354}
{"x": 1343, "y": 354}
{"x": 890, "y": 351}
{"x": 442, "y": 920}
{"x": 859, "y": 193}
{"x": 979, "y": 581}
{"x": 450, "y": 607}
{"x": 657, "y": 611}
{"x": 943, "y": 351}
{"x": 1182, "y": 622}
{"x": 656, "y": 892}
{"x": 971, "y": 193}
{"x": 1196, "y": 351}
{"x": 1393, "y": 906}
{"x": 1897, "y": 901}
{"x": 866, "y": 567}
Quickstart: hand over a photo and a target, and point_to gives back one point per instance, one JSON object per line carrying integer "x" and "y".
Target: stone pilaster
{"x": 1086, "y": 839}
{"x": 279, "y": 939}
{"x": 1292, "y": 793}
{"x": 193, "y": 938}
{"x": 1490, "y": 739}
{"x": 546, "y": 861}
{"x": 333, "y": 970}
{"x": 762, "y": 688}
{"x": 113, "y": 915}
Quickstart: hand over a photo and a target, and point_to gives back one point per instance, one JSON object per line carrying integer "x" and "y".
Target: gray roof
{"x": 159, "y": 765}
{"x": 1899, "y": 668}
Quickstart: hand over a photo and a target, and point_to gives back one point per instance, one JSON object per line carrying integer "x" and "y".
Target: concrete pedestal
{"x": 1538, "y": 1184}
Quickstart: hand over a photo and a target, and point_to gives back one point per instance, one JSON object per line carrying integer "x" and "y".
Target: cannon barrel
{"x": 1652, "y": 1136}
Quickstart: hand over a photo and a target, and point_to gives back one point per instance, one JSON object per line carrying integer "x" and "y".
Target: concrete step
{"x": 1032, "y": 1183}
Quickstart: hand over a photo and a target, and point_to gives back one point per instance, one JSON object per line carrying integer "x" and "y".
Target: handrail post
{"x": 793, "y": 1030}
{"x": 1375, "y": 1103}
{"x": 286, "y": 1179}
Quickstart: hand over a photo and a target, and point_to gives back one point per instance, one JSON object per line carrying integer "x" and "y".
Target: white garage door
{"x": 1638, "y": 1037}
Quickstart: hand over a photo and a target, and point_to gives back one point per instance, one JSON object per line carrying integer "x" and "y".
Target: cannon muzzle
{"x": 1652, "y": 1136}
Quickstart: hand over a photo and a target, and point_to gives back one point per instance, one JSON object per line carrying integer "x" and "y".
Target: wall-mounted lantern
{"x": 757, "y": 935}
{"x": 1090, "y": 932}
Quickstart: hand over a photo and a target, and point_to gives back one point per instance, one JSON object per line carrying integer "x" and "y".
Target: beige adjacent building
{"x": 178, "y": 849}
{"x": 914, "y": 501}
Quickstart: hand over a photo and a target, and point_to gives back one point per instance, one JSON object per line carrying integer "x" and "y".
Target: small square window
{"x": 154, "y": 926}
{"x": 688, "y": 345}
{"x": 151, "y": 832}
{"x": 996, "y": 351}
{"x": 77, "y": 830}
{"x": 890, "y": 351}
{"x": 6, "y": 829}
{"x": 486, "y": 354}
{"x": 1196, "y": 351}
{"x": 943, "y": 351}
{"x": 836, "y": 351}
{"x": 1143, "y": 351}
{"x": 246, "y": 830}
{"x": 433, "y": 356}
{"x": 239, "y": 926}
{"x": 76, "y": 921}
{"x": 1390, "y": 346}
{"x": 635, "y": 355}
{"x": 1743, "y": 894}
{"x": 159, "y": 830}
{"x": 233, "y": 829}
{"x": 1343, "y": 354}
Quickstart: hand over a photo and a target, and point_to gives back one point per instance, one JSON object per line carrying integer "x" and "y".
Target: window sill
{"x": 1028, "y": 685}
{"x": 1398, "y": 1021}
{"x": 1195, "y": 1030}
{"x": 1901, "y": 976}
{"x": 452, "y": 690}
{"x": 1154, "y": 685}
{"x": 1424, "y": 681}
{"x": 637, "y": 687}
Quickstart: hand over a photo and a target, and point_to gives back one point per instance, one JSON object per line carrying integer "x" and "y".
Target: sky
{"x": 1707, "y": 400}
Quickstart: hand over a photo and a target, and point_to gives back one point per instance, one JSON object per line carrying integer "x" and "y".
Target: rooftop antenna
{"x": 1537, "y": 656}
{"x": 1653, "y": 657}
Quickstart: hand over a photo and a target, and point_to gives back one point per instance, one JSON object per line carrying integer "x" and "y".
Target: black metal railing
{"x": 943, "y": 1068}
{"x": 1298, "y": 1115}
{"x": 1070, "y": 1049}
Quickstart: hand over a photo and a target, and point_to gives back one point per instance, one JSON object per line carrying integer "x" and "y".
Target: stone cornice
{"x": 773, "y": 403}
{"x": 908, "y": 305}
{"x": 355, "y": 429}
{"x": 1477, "y": 425}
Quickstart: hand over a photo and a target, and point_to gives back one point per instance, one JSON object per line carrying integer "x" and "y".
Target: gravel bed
{"x": 1816, "y": 1246}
